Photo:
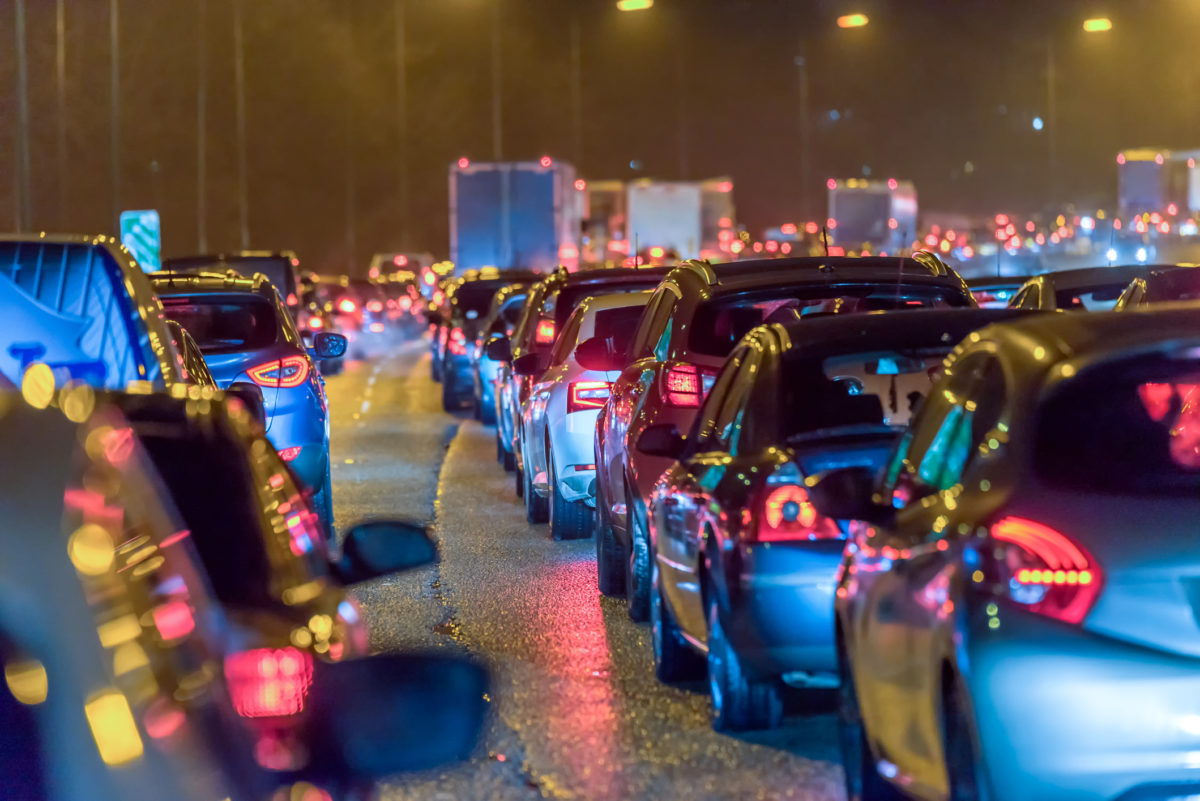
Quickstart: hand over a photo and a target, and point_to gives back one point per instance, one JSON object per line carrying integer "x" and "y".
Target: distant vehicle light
{"x": 463, "y": 163}
{"x": 725, "y": 186}
{"x": 785, "y": 248}
{"x": 1155, "y": 218}
{"x": 893, "y": 223}
{"x": 831, "y": 223}
{"x": 1040, "y": 239}
{"x": 1142, "y": 255}
{"x": 1120, "y": 158}
{"x": 1158, "y": 158}
{"x": 1054, "y": 238}
{"x": 619, "y": 246}
{"x": 568, "y": 252}
{"x": 400, "y": 261}
{"x": 852, "y": 20}
{"x": 968, "y": 252}
{"x": 725, "y": 222}
{"x": 1087, "y": 223}
{"x": 1038, "y": 123}
{"x": 837, "y": 250}
{"x": 1164, "y": 227}
{"x": 1014, "y": 243}
{"x": 580, "y": 184}
{"x": 1172, "y": 209}
{"x": 944, "y": 246}
{"x": 634, "y": 5}
{"x": 771, "y": 246}
{"x": 315, "y": 323}
{"x": 1111, "y": 254}
{"x": 811, "y": 228}
{"x": 657, "y": 252}
{"x": 758, "y": 246}
{"x": 373, "y": 272}
{"x": 544, "y": 334}
{"x": 266, "y": 682}
{"x": 1030, "y": 226}
{"x": 292, "y": 300}
{"x": 931, "y": 240}
{"x": 1097, "y": 25}
{"x": 1001, "y": 220}
{"x": 545, "y": 161}
{"x": 376, "y": 328}
{"x": 788, "y": 229}
{"x": 430, "y": 278}
{"x": 893, "y": 184}
{"x": 1116, "y": 224}
{"x": 374, "y": 305}
{"x": 737, "y": 246}
{"x": 347, "y": 305}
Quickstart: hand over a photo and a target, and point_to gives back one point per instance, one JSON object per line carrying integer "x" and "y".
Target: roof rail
{"x": 701, "y": 266}
{"x": 931, "y": 262}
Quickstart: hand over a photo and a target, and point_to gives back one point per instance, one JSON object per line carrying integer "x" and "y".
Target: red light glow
{"x": 585, "y": 395}
{"x": 545, "y": 161}
{"x": 788, "y": 229}
{"x": 269, "y": 683}
{"x": 400, "y": 261}
{"x": 831, "y": 223}
{"x": 348, "y": 306}
{"x": 580, "y": 184}
{"x": 544, "y": 334}
{"x": 290, "y": 454}
{"x": 285, "y": 373}
{"x": 811, "y": 228}
{"x": 683, "y": 386}
{"x": 315, "y": 323}
{"x": 892, "y": 184}
{"x": 174, "y": 620}
{"x": 831, "y": 183}
{"x": 463, "y": 163}
{"x": 1052, "y": 561}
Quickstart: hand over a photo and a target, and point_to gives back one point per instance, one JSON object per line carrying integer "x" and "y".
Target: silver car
{"x": 558, "y": 419}
{"x": 1018, "y": 612}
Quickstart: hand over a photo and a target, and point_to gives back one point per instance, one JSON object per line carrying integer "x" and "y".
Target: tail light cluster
{"x": 584, "y": 395}
{"x": 290, "y": 454}
{"x": 269, "y": 682}
{"x": 457, "y": 342}
{"x": 1041, "y": 569}
{"x": 348, "y": 306}
{"x": 788, "y": 514}
{"x": 285, "y": 373}
{"x": 544, "y": 335}
{"x": 687, "y": 384}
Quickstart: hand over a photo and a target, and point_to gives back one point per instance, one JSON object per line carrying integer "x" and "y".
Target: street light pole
{"x": 576, "y": 89}
{"x": 60, "y": 89}
{"x": 805, "y": 135}
{"x": 114, "y": 39}
{"x": 25, "y": 199}
{"x": 239, "y": 75}
{"x": 401, "y": 37}
{"x": 201, "y": 126}
{"x": 497, "y": 113}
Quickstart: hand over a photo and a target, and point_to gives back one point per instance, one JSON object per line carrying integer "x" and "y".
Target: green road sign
{"x": 142, "y": 236}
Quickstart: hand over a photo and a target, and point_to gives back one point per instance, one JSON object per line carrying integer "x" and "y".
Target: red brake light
{"x": 686, "y": 385}
{"x": 374, "y": 306}
{"x": 292, "y": 300}
{"x": 266, "y": 683}
{"x": 788, "y": 514}
{"x": 1043, "y": 570}
{"x": 376, "y": 328}
{"x": 457, "y": 342}
{"x": 315, "y": 323}
{"x": 545, "y": 332}
{"x": 289, "y": 454}
{"x": 285, "y": 373}
{"x": 584, "y": 395}
{"x": 347, "y": 305}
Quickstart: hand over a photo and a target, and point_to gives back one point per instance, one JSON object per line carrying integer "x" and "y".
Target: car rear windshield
{"x": 562, "y": 304}
{"x": 472, "y": 300}
{"x": 224, "y": 323}
{"x": 1131, "y": 427}
{"x": 721, "y": 322}
{"x": 1182, "y": 285}
{"x": 1100, "y": 297}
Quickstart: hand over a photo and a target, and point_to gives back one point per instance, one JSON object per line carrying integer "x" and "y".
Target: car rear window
{"x": 472, "y": 300}
{"x": 225, "y": 324}
{"x": 1131, "y": 427}
{"x": 721, "y": 322}
{"x": 1182, "y": 285}
{"x": 1100, "y": 297}
{"x": 562, "y": 304}
{"x": 898, "y": 380}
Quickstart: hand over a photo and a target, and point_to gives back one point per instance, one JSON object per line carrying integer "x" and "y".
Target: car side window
{"x": 642, "y": 343}
{"x": 1033, "y": 298}
{"x": 663, "y": 319}
{"x": 701, "y": 435}
{"x": 529, "y": 317}
{"x": 565, "y": 342}
{"x": 730, "y": 427}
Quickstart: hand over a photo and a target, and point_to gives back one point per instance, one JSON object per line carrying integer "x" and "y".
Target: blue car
{"x": 246, "y": 334}
{"x": 500, "y": 321}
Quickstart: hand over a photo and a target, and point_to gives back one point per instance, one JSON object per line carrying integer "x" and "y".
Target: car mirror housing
{"x": 527, "y": 364}
{"x": 597, "y": 354}
{"x": 328, "y": 345}
{"x": 662, "y": 439}
{"x": 498, "y": 349}
{"x": 380, "y": 547}
{"x": 380, "y": 715}
{"x": 250, "y": 395}
{"x": 848, "y": 494}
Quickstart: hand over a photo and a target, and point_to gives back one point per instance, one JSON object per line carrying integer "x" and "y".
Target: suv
{"x": 691, "y": 324}
{"x": 1085, "y": 289}
{"x": 279, "y": 268}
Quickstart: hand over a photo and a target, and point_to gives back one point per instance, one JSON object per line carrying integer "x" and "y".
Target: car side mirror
{"x": 528, "y": 364}
{"x": 379, "y": 715}
{"x": 848, "y": 493}
{"x": 251, "y": 397}
{"x": 328, "y": 345}
{"x": 661, "y": 439}
{"x": 597, "y": 354}
{"x": 498, "y": 349}
{"x": 380, "y": 547}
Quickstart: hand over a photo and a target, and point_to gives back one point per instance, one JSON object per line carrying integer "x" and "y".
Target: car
{"x": 246, "y": 334}
{"x": 500, "y": 321}
{"x": 435, "y": 316}
{"x": 459, "y": 322}
{"x": 994, "y": 292}
{"x": 280, "y": 267}
{"x": 1084, "y": 289}
{"x": 124, "y": 679}
{"x": 558, "y": 421}
{"x": 1160, "y": 286}
{"x": 698, "y": 315}
{"x": 190, "y": 361}
{"x": 312, "y": 319}
{"x": 744, "y": 567}
{"x": 82, "y": 306}
{"x": 1012, "y": 613}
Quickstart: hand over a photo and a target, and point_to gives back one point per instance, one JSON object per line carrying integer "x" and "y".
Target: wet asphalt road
{"x": 576, "y": 710}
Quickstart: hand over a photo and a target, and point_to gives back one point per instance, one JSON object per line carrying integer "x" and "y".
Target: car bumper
{"x": 1063, "y": 713}
{"x": 780, "y": 607}
{"x": 573, "y": 437}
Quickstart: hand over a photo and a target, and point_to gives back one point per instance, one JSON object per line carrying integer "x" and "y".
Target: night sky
{"x": 928, "y": 87}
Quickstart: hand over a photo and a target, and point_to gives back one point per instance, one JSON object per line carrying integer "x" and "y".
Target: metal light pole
{"x": 25, "y": 193}
{"x": 239, "y": 69}
{"x": 576, "y": 90}
{"x": 201, "y": 126}
{"x": 1051, "y": 120}
{"x": 60, "y": 88}
{"x": 114, "y": 39}
{"x": 805, "y": 135}
{"x": 399, "y": 13}
{"x": 348, "y": 111}
{"x": 681, "y": 113}
{"x": 497, "y": 99}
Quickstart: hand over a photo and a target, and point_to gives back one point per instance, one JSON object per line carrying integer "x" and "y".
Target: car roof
{"x": 998, "y": 281}
{"x": 841, "y": 333}
{"x": 1091, "y": 276}
{"x": 615, "y": 300}
{"x": 237, "y": 255}
{"x": 171, "y": 283}
{"x": 752, "y": 273}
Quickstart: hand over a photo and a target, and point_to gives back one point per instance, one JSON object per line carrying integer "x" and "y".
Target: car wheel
{"x": 500, "y": 454}
{"x": 958, "y": 749}
{"x": 862, "y": 779}
{"x": 610, "y": 557}
{"x": 637, "y": 569}
{"x": 537, "y": 508}
{"x": 519, "y": 478}
{"x": 674, "y": 659}
{"x": 323, "y": 505}
{"x": 569, "y": 520}
{"x": 509, "y": 459}
{"x": 738, "y": 703}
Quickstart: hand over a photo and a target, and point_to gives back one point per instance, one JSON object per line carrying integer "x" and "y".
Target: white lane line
{"x": 365, "y": 405}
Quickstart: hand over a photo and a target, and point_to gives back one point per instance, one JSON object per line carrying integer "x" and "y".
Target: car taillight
{"x": 290, "y": 454}
{"x": 686, "y": 385}
{"x": 1041, "y": 569}
{"x": 288, "y": 372}
{"x": 374, "y": 306}
{"x": 376, "y": 328}
{"x": 315, "y": 323}
{"x": 347, "y": 305}
{"x": 788, "y": 514}
{"x": 292, "y": 300}
{"x": 545, "y": 332}
{"x": 268, "y": 682}
{"x": 583, "y": 395}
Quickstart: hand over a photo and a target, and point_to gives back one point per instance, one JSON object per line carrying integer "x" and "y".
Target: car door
{"x": 539, "y": 397}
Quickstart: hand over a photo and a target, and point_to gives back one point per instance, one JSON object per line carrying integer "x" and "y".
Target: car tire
{"x": 518, "y": 478}
{"x": 322, "y": 501}
{"x": 611, "y": 560}
{"x": 861, "y": 777}
{"x": 508, "y": 459}
{"x": 569, "y": 520}
{"x": 674, "y": 659}
{"x": 637, "y": 569}
{"x": 958, "y": 750}
{"x": 537, "y": 508}
{"x": 500, "y": 453}
{"x": 739, "y": 704}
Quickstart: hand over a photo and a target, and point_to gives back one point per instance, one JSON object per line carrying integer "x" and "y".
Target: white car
{"x": 559, "y": 418}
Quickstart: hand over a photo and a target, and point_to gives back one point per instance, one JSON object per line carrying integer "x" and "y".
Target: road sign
{"x": 142, "y": 236}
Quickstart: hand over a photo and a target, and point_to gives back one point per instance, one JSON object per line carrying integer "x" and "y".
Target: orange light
{"x": 634, "y": 5}
{"x": 852, "y": 20}
{"x": 544, "y": 334}
{"x": 1097, "y": 25}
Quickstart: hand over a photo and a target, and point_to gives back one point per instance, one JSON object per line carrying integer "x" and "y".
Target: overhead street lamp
{"x": 853, "y": 21}
{"x": 634, "y": 5}
{"x": 1097, "y": 25}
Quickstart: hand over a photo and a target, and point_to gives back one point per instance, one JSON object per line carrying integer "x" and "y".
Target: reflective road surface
{"x": 577, "y": 712}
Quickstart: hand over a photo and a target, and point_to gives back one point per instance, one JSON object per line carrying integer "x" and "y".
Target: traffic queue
{"x": 842, "y": 476}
